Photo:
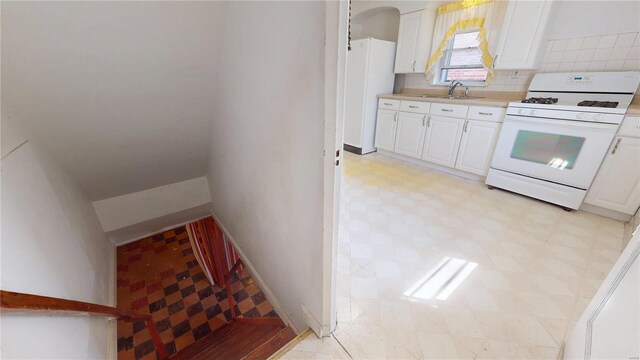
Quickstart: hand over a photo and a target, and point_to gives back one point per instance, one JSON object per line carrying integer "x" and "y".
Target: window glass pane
{"x": 465, "y": 57}
{"x": 558, "y": 151}
{"x": 466, "y": 74}
{"x": 466, "y": 40}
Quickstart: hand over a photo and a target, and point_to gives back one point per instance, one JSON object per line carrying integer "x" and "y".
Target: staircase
{"x": 243, "y": 338}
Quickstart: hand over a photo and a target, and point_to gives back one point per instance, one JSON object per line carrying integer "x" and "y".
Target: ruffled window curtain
{"x": 484, "y": 16}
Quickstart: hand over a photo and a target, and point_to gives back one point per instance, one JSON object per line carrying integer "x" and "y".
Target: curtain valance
{"x": 484, "y": 16}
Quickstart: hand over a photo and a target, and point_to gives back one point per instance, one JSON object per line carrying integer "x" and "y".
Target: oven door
{"x": 560, "y": 151}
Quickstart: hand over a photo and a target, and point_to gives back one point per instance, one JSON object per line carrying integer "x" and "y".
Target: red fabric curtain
{"x": 214, "y": 252}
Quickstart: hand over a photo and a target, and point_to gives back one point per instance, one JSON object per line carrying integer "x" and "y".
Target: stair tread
{"x": 232, "y": 341}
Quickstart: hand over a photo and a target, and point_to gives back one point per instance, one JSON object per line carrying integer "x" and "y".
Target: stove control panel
{"x": 566, "y": 115}
{"x": 579, "y": 80}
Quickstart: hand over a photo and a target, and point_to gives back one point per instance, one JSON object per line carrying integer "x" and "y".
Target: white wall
{"x": 592, "y": 18}
{"x": 140, "y": 207}
{"x": 266, "y": 163}
{"x": 381, "y": 25}
{"x": 52, "y": 244}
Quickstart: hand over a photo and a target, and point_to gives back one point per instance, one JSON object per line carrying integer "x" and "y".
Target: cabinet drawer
{"x": 389, "y": 104}
{"x": 415, "y": 106}
{"x": 485, "y": 113}
{"x": 451, "y": 110}
{"x": 630, "y": 127}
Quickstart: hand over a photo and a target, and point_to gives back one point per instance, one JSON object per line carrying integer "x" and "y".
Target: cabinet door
{"x": 476, "y": 147}
{"x": 522, "y": 35}
{"x": 410, "y": 134}
{"x": 386, "y": 124}
{"x": 407, "y": 43}
{"x": 442, "y": 140}
{"x": 617, "y": 184}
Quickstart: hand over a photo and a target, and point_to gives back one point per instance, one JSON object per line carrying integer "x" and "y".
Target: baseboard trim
{"x": 267, "y": 292}
{"x": 431, "y": 166}
{"x": 611, "y": 214}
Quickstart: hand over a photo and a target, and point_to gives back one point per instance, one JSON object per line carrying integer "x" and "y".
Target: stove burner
{"x": 535, "y": 100}
{"x": 605, "y": 104}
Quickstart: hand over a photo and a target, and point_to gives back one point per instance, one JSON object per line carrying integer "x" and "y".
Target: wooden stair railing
{"x": 227, "y": 285}
{"x": 19, "y": 301}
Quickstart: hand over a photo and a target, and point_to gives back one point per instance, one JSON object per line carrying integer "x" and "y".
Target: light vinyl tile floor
{"x": 434, "y": 266}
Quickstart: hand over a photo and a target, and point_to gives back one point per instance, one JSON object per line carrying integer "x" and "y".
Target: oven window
{"x": 558, "y": 151}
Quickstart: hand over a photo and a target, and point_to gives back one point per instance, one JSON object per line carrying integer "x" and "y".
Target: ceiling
{"x": 118, "y": 92}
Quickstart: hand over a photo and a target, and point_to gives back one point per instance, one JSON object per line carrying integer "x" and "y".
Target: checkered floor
{"x": 159, "y": 275}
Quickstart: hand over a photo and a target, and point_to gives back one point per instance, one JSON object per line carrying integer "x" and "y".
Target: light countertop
{"x": 485, "y": 101}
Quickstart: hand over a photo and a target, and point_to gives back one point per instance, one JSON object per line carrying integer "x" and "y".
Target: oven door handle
{"x": 563, "y": 123}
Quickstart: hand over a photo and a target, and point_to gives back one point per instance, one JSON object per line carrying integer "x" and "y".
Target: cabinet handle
{"x": 428, "y": 120}
{"x": 395, "y": 117}
{"x": 446, "y": 110}
{"x": 388, "y": 104}
{"x": 466, "y": 122}
{"x": 413, "y": 107}
{"x": 495, "y": 58}
{"x": 485, "y": 113}
{"x": 615, "y": 148}
{"x": 414, "y": 66}
{"x": 424, "y": 120}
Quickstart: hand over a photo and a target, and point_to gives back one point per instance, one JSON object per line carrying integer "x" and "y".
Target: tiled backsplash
{"x": 597, "y": 53}
{"x": 613, "y": 52}
{"x": 502, "y": 81}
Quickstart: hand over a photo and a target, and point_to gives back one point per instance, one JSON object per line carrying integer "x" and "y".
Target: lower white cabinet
{"x": 410, "y": 134}
{"x": 477, "y": 145}
{"x": 386, "y": 124}
{"x": 442, "y": 140}
{"x": 617, "y": 185}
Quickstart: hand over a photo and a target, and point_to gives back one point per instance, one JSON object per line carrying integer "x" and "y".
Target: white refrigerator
{"x": 369, "y": 73}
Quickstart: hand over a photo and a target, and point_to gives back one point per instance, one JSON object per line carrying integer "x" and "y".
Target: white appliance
{"x": 369, "y": 73}
{"x": 552, "y": 144}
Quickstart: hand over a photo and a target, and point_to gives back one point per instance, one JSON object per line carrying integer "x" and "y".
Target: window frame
{"x": 443, "y": 64}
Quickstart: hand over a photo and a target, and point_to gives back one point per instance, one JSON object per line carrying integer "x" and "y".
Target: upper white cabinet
{"x": 617, "y": 185}
{"x": 478, "y": 142}
{"x": 386, "y": 124}
{"x": 523, "y": 34}
{"x": 414, "y": 41}
{"x": 410, "y": 134}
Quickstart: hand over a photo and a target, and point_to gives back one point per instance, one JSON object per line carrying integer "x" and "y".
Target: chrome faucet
{"x": 453, "y": 86}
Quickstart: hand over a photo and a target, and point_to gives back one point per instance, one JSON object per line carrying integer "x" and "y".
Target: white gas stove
{"x": 553, "y": 142}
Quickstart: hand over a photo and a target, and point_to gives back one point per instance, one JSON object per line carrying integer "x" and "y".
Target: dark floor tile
{"x": 171, "y": 348}
{"x": 258, "y": 298}
{"x": 182, "y": 275}
{"x": 221, "y": 295}
{"x": 271, "y": 313}
{"x": 205, "y": 293}
{"x": 253, "y": 313}
{"x": 194, "y": 309}
{"x": 187, "y": 252}
{"x": 201, "y": 331}
{"x": 138, "y": 326}
{"x": 198, "y": 277}
{"x": 157, "y": 305}
{"x": 183, "y": 241}
{"x": 240, "y": 295}
{"x": 145, "y": 348}
{"x": 171, "y": 289}
{"x": 213, "y": 311}
{"x": 175, "y": 307}
{"x": 125, "y": 343}
{"x": 181, "y": 329}
{"x": 192, "y": 263}
{"x": 188, "y": 291}
{"x": 163, "y": 325}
